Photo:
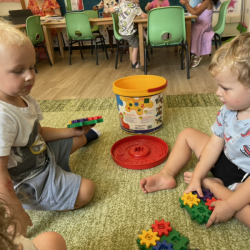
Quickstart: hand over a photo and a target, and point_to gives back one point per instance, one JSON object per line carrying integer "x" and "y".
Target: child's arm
{"x": 208, "y": 158}
{"x": 224, "y": 210}
{"x": 8, "y": 194}
{"x": 53, "y": 134}
{"x": 98, "y": 6}
{"x": 144, "y": 15}
{"x": 148, "y": 8}
{"x": 111, "y": 10}
{"x": 197, "y": 10}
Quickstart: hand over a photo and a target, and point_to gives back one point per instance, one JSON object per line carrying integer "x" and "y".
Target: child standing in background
{"x": 157, "y": 4}
{"x": 127, "y": 11}
{"x": 105, "y": 4}
{"x": 226, "y": 153}
{"x": 202, "y": 30}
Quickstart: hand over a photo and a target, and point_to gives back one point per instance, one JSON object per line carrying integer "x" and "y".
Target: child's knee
{"x": 50, "y": 240}
{"x": 85, "y": 193}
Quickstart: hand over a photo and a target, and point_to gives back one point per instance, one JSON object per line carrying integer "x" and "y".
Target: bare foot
{"x": 157, "y": 182}
{"x": 188, "y": 177}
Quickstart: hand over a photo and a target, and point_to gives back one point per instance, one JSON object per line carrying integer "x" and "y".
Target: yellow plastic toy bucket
{"x": 140, "y": 103}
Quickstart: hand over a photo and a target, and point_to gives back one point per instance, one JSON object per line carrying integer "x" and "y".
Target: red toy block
{"x": 209, "y": 201}
{"x": 162, "y": 227}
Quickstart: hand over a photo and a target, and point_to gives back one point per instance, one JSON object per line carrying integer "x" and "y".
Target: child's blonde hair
{"x": 9, "y": 35}
{"x": 236, "y": 56}
{"x": 8, "y": 227}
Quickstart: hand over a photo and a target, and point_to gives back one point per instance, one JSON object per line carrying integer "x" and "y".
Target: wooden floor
{"x": 85, "y": 79}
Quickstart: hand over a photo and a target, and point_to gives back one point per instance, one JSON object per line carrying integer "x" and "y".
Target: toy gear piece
{"x": 162, "y": 227}
{"x": 163, "y": 246}
{"x": 209, "y": 201}
{"x": 148, "y": 238}
{"x": 190, "y": 199}
{"x": 207, "y": 194}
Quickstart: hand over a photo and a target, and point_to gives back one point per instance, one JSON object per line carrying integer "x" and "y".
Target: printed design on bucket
{"x": 140, "y": 114}
{"x": 137, "y": 104}
{"x": 159, "y": 99}
{"x": 123, "y": 124}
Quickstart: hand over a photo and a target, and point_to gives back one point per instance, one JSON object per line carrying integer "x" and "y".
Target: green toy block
{"x": 242, "y": 27}
{"x": 79, "y": 124}
{"x": 199, "y": 212}
{"x": 179, "y": 242}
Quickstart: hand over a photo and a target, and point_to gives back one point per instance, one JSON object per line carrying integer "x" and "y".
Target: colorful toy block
{"x": 85, "y": 121}
{"x": 162, "y": 227}
{"x": 199, "y": 212}
{"x": 148, "y": 238}
{"x": 171, "y": 242}
{"x": 207, "y": 194}
{"x": 190, "y": 199}
{"x": 209, "y": 201}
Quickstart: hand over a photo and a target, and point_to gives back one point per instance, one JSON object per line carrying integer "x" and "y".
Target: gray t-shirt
{"x": 236, "y": 135}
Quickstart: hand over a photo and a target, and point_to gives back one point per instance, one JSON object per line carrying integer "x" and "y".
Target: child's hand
{"x": 148, "y": 5}
{"x": 222, "y": 212}
{"x": 95, "y": 8}
{"x": 195, "y": 185}
{"x": 23, "y": 221}
{"x": 184, "y": 2}
{"x": 79, "y": 131}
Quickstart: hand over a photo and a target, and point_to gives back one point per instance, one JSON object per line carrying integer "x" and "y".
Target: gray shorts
{"x": 55, "y": 188}
{"x": 133, "y": 40}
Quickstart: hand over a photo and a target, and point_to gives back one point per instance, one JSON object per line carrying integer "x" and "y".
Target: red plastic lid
{"x": 139, "y": 152}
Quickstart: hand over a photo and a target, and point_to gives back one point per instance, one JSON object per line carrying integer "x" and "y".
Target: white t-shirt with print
{"x": 127, "y": 11}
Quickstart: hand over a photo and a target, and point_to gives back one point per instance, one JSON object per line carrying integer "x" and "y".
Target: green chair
{"x": 220, "y": 26}
{"x": 167, "y": 20}
{"x": 35, "y": 34}
{"x": 95, "y": 28}
{"x": 121, "y": 41}
{"x": 78, "y": 29}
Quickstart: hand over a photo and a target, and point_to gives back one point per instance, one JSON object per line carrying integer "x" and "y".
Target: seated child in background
{"x": 157, "y": 4}
{"x": 105, "y": 4}
{"x": 127, "y": 11}
{"x": 226, "y": 152}
{"x": 34, "y": 160}
{"x": 10, "y": 239}
{"x": 202, "y": 30}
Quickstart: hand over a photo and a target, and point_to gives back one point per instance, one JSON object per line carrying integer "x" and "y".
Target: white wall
{"x": 247, "y": 14}
{"x": 6, "y": 6}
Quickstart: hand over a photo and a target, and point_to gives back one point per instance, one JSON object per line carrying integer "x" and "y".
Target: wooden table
{"x": 103, "y": 21}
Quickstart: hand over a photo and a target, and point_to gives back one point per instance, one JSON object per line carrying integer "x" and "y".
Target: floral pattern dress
{"x": 47, "y": 8}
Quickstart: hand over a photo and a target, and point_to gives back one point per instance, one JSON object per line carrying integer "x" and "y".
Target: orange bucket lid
{"x": 140, "y": 85}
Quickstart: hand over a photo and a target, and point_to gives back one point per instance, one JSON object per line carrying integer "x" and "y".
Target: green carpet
{"x": 119, "y": 210}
